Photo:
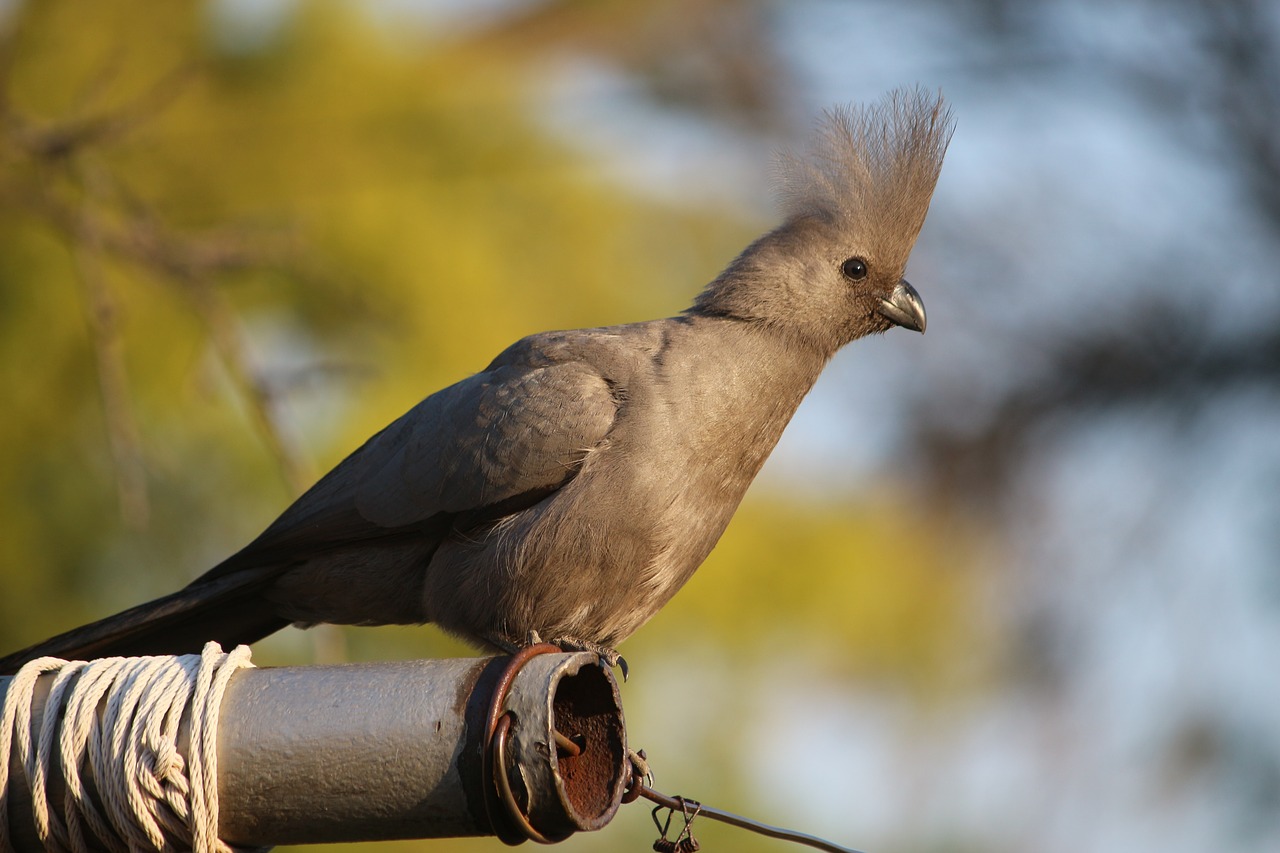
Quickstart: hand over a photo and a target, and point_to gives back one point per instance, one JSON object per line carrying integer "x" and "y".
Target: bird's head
{"x": 855, "y": 200}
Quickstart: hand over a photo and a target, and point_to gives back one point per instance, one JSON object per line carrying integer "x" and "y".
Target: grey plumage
{"x": 575, "y": 484}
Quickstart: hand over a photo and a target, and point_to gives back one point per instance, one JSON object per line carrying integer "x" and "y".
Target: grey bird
{"x": 570, "y": 488}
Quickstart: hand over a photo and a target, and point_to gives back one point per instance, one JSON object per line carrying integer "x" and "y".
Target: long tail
{"x": 229, "y": 609}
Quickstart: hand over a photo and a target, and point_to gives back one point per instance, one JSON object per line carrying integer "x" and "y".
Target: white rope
{"x": 116, "y": 720}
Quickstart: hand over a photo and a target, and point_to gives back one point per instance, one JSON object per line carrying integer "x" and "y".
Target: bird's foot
{"x": 640, "y": 766}
{"x": 509, "y": 645}
{"x": 610, "y": 656}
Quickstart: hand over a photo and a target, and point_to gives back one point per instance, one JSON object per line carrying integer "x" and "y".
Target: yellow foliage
{"x": 415, "y": 223}
{"x": 857, "y": 589}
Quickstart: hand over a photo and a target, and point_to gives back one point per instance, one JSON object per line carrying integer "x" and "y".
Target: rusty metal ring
{"x": 508, "y": 796}
{"x": 635, "y": 788}
{"x": 488, "y": 770}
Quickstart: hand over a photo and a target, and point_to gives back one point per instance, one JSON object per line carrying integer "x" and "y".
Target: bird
{"x": 571, "y": 487}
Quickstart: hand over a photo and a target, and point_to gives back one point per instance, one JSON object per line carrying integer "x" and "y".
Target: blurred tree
{"x": 262, "y": 224}
{"x": 1111, "y": 400}
{"x": 1176, "y": 336}
{"x": 715, "y": 58}
{"x": 227, "y": 260}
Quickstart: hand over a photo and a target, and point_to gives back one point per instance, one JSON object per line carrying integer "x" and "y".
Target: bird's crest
{"x": 871, "y": 170}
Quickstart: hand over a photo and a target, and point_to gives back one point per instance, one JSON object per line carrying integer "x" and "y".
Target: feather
{"x": 870, "y": 170}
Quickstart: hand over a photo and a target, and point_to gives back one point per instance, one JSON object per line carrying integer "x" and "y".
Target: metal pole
{"x": 396, "y": 750}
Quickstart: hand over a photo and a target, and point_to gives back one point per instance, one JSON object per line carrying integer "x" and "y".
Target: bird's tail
{"x": 229, "y": 609}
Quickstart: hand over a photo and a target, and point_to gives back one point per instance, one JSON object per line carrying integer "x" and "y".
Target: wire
{"x": 683, "y": 804}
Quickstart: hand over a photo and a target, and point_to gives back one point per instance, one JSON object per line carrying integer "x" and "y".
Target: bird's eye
{"x": 854, "y": 269}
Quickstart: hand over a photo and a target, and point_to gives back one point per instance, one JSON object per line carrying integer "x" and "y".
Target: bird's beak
{"x": 904, "y": 308}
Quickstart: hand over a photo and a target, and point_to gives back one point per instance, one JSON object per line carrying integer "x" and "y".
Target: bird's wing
{"x": 489, "y": 445}
{"x": 511, "y": 432}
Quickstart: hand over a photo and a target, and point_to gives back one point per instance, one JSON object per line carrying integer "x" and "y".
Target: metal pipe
{"x": 394, "y": 750}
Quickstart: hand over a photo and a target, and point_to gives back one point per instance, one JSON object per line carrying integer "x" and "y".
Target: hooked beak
{"x": 904, "y": 308}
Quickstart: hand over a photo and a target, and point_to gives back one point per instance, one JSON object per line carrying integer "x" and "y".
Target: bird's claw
{"x": 608, "y": 656}
{"x": 640, "y": 766}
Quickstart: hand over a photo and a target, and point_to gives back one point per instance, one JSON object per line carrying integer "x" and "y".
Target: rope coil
{"x": 116, "y": 722}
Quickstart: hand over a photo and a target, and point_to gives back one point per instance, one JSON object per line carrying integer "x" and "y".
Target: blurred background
{"x": 1013, "y": 586}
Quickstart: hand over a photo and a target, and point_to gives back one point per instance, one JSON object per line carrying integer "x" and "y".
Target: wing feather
{"x": 487, "y": 445}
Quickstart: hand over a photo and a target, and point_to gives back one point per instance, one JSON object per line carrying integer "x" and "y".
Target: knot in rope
{"x": 114, "y": 724}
